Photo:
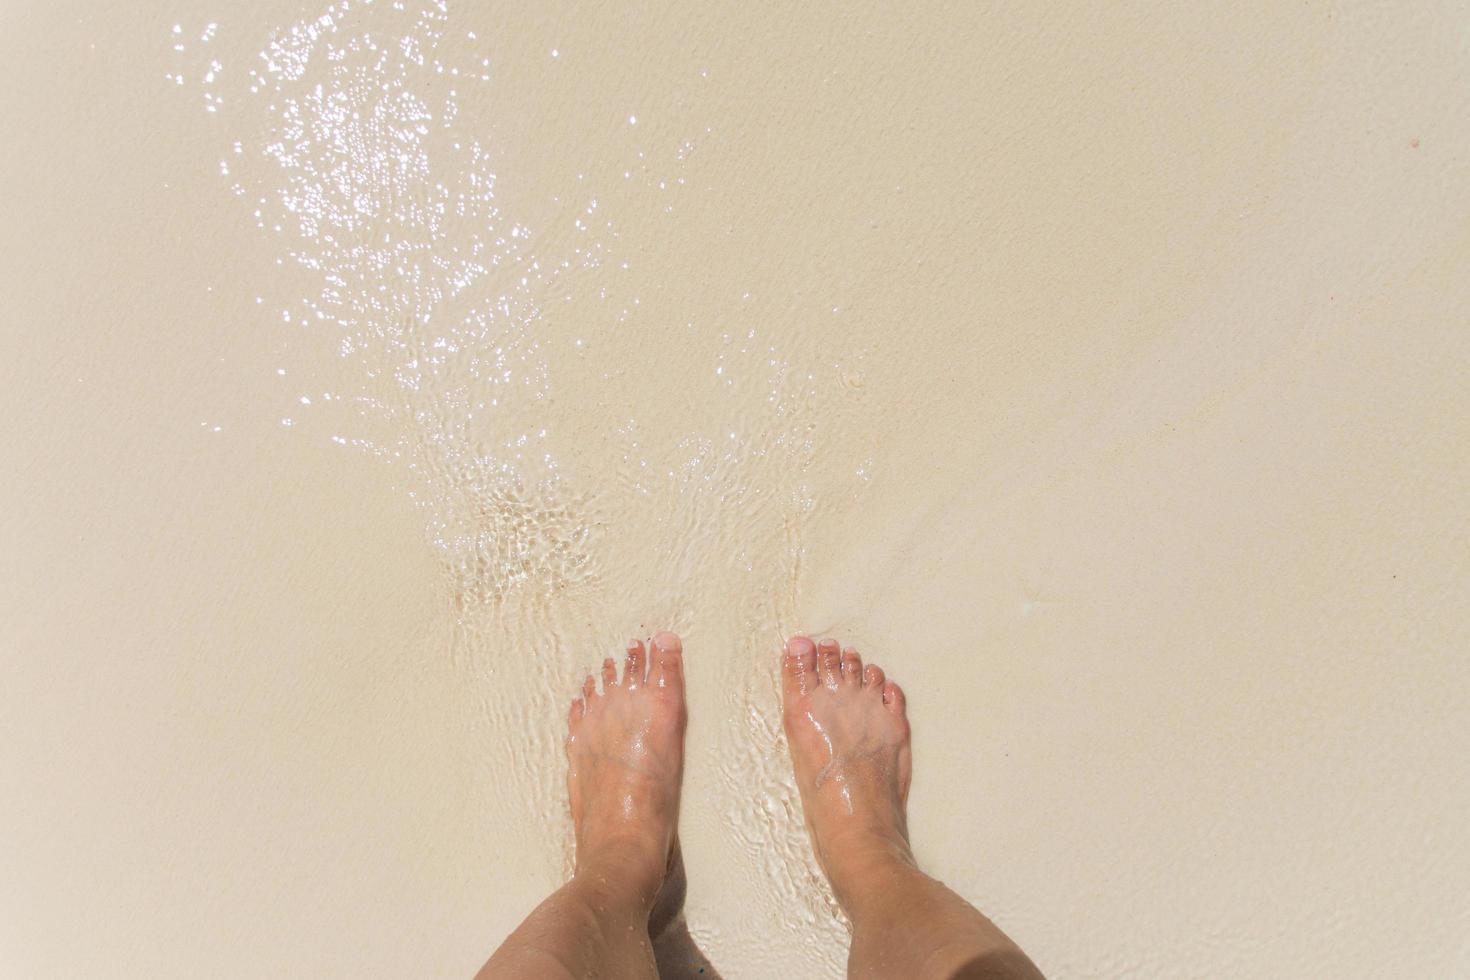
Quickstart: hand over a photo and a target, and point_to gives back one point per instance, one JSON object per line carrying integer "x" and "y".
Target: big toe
{"x": 799, "y": 667}
{"x": 668, "y": 661}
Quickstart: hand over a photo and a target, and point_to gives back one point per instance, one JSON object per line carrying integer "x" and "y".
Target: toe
{"x": 852, "y": 668}
{"x": 574, "y": 716}
{"x": 635, "y": 668}
{"x": 873, "y": 678}
{"x": 799, "y": 667}
{"x": 829, "y": 663}
{"x": 609, "y": 675}
{"x": 589, "y": 689}
{"x": 667, "y": 669}
{"x": 893, "y": 698}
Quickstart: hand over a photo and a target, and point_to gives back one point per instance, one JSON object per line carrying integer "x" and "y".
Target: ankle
{"x": 864, "y": 868}
{"x": 629, "y": 880}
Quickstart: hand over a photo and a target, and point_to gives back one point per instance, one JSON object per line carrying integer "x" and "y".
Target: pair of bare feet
{"x": 849, "y": 739}
{"x": 848, "y": 732}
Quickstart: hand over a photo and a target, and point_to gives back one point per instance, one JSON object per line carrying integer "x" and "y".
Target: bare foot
{"x": 625, "y": 747}
{"x": 849, "y": 741}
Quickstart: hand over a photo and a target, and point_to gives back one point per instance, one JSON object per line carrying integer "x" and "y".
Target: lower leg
{"x": 625, "y": 750}
{"x": 594, "y": 925}
{"x": 906, "y": 924}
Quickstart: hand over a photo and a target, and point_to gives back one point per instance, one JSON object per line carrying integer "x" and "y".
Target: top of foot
{"x": 849, "y": 737}
{"x": 625, "y": 749}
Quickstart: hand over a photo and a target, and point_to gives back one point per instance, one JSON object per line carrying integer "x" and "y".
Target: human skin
{"x": 848, "y": 729}
{"x": 620, "y": 915}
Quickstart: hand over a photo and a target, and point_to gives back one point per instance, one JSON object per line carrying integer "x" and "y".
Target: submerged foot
{"x": 625, "y": 749}
{"x": 849, "y": 738}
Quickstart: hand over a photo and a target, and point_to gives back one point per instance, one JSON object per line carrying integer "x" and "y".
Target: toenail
{"x": 799, "y": 645}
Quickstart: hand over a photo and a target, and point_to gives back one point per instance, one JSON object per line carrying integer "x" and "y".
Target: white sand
{"x": 1103, "y": 375}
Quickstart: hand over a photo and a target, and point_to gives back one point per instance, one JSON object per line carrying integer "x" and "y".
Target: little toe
{"x": 636, "y": 666}
{"x": 799, "y": 667}
{"x": 667, "y": 669}
{"x": 893, "y": 698}
{"x": 852, "y": 668}
{"x": 829, "y": 663}
{"x": 575, "y": 713}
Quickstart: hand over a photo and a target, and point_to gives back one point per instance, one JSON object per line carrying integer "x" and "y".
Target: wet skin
{"x": 848, "y": 731}
{"x": 621, "y": 914}
{"x": 625, "y": 755}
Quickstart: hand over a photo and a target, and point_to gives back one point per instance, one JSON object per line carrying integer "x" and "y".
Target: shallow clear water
{"x": 588, "y": 468}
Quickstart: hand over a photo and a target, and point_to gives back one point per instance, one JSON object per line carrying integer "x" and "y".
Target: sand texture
{"x": 370, "y": 371}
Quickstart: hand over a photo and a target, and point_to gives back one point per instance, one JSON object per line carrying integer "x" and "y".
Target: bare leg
{"x": 625, "y": 750}
{"x": 849, "y": 737}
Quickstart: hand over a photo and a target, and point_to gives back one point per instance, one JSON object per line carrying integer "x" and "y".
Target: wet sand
{"x": 371, "y": 374}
